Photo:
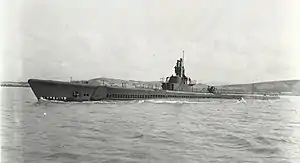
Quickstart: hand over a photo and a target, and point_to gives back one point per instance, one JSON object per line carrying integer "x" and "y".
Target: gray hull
{"x": 66, "y": 91}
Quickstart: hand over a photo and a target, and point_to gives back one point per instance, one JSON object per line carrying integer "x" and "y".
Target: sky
{"x": 225, "y": 41}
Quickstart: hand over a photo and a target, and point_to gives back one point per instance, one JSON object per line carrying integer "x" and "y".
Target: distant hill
{"x": 134, "y": 83}
{"x": 14, "y": 84}
{"x": 118, "y": 82}
{"x": 267, "y": 87}
{"x": 292, "y": 86}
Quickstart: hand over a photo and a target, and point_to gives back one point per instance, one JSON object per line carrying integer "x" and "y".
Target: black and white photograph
{"x": 150, "y": 81}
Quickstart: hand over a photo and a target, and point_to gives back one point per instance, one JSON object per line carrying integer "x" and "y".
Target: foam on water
{"x": 156, "y": 101}
{"x": 178, "y": 101}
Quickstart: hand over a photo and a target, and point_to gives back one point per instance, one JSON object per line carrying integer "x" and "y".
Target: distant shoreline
{"x": 15, "y": 86}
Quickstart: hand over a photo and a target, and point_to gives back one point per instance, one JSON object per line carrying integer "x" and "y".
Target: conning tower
{"x": 179, "y": 82}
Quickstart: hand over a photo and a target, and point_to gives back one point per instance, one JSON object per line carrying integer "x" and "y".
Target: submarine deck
{"x": 65, "y": 91}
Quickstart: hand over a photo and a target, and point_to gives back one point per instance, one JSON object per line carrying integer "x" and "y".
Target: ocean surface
{"x": 159, "y": 131}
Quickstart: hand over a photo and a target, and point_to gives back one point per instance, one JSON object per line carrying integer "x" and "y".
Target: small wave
{"x": 64, "y": 155}
{"x": 274, "y": 140}
{"x": 91, "y": 102}
{"x": 242, "y": 101}
{"x": 235, "y": 142}
{"x": 156, "y": 101}
{"x": 94, "y": 138}
{"x": 49, "y": 101}
{"x": 263, "y": 140}
{"x": 178, "y": 102}
{"x": 77, "y": 102}
{"x": 141, "y": 101}
{"x": 66, "y": 126}
{"x": 267, "y": 151}
{"x": 99, "y": 102}
{"x": 140, "y": 135}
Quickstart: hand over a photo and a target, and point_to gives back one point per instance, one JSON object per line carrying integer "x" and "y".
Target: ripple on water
{"x": 266, "y": 151}
{"x": 67, "y": 156}
{"x": 264, "y": 140}
{"x": 167, "y": 130}
{"x": 234, "y": 142}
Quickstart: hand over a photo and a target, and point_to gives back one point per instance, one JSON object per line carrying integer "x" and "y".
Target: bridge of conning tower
{"x": 180, "y": 71}
{"x": 180, "y": 81}
{"x": 179, "y": 68}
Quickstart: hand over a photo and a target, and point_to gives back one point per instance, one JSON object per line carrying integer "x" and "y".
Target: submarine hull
{"x": 66, "y": 91}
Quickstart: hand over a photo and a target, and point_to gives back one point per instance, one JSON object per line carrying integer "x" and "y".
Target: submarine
{"x": 175, "y": 86}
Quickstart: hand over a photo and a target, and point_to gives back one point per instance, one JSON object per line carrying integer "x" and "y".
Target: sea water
{"x": 159, "y": 131}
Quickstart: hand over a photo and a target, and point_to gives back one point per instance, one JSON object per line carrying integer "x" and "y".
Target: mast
{"x": 182, "y": 67}
{"x": 183, "y": 58}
